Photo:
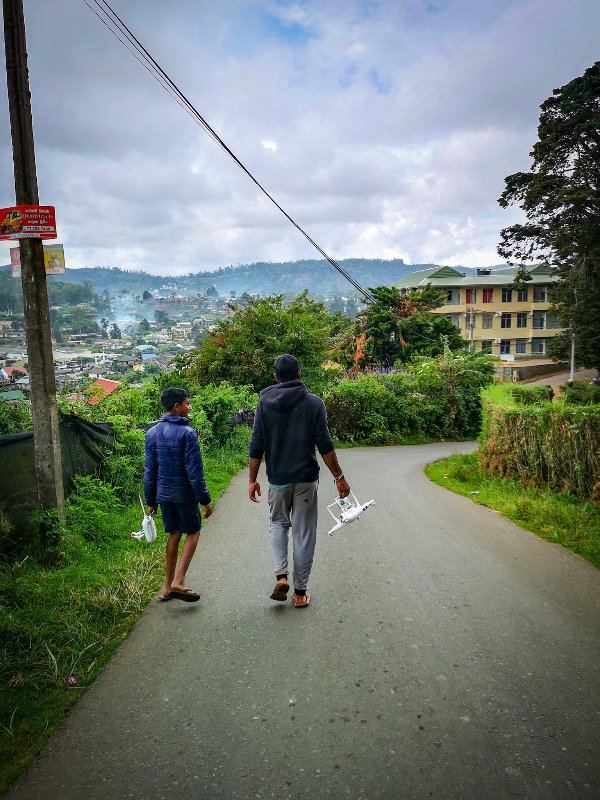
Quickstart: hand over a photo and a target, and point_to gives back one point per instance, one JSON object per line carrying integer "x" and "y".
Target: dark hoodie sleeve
{"x": 323, "y": 438}
{"x": 257, "y": 442}
{"x": 194, "y": 468}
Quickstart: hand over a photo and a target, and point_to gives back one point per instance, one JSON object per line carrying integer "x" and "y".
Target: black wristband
{"x": 339, "y": 477}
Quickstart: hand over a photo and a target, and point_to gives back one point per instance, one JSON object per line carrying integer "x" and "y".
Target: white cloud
{"x": 384, "y": 128}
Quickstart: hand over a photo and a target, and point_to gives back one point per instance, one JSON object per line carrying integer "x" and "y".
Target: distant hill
{"x": 316, "y": 275}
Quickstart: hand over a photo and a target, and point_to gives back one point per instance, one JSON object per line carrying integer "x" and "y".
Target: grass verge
{"x": 60, "y": 625}
{"x": 559, "y": 518}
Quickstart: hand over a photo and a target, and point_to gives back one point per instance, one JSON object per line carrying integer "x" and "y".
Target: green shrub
{"x": 124, "y": 467}
{"x": 219, "y": 403}
{"x": 552, "y": 446}
{"x": 92, "y": 508}
{"x": 581, "y": 394}
{"x": 531, "y": 395}
{"x": 14, "y": 418}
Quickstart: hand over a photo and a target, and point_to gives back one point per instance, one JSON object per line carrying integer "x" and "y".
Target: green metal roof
{"x": 447, "y": 277}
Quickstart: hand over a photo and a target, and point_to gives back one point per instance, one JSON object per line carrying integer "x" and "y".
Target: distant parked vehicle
{"x": 12, "y": 223}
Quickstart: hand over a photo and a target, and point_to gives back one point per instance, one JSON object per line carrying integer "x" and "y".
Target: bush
{"x": 91, "y": 509}
{"x": 219, "y": 404}
{"x": 546, "y": 445}
{"x": 531, "y": 395}
{"x": 14, "y": 418}
{"x": 431, "y": 398}
{"x": 124, "y": 467}
{"x": 581, "y": 394}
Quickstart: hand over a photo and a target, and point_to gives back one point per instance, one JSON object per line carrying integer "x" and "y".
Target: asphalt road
{"x": 447, "y": 654}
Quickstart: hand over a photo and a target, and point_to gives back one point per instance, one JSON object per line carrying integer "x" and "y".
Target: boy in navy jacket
{"x": 174, "y": 479}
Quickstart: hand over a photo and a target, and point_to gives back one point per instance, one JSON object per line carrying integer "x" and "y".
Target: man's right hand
{"x": 151, "y": 511}
{"x": 343, "y": 487}
{"x": 253, "y": 490}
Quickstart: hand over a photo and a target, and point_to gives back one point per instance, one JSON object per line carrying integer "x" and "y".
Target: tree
{"x": 242, "y": 349}
{"x": 144, "y": 325}
{"x": 146, "y": 295}
{"x": 397, "y": 327}
{"x": 115, "y": 331}
{"x": 560, "y": 196}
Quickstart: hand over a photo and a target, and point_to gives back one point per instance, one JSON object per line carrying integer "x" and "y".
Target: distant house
{"x": 147, "y": 357}
{"x": 99, "y": 372}
{"x": 11, "y": 374}
{"x": 12, "y": 397}
{"x": 100, "y": 389}
{"x": 182, "y": 330}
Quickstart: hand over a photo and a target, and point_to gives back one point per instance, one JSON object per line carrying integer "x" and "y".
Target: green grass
{"x": 559, "y": 518}
{"x": 69, "y": 619}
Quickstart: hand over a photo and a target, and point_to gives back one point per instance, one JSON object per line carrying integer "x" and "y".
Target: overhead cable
{"x": 120, "y": 30}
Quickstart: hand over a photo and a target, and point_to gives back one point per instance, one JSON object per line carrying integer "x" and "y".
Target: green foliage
{"x": 14, "y": 418}
{"x": 242, "y": 349}
{"x": 560, "y": 196}
{"x": 213, "y": 407}
{"x": 579, "y": 393}
{"x": 552, "y": 446}
{"x": 92, "y": 508}
{"x": 530, "y": 395}
{"x": 432, "y": 398}
{"x": 559, "y": 518}
{"x": 397, "y": 328}
{"x": 123, "y": 469}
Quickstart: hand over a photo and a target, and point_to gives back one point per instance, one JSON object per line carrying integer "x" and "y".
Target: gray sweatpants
{"x": 294, "y": 508}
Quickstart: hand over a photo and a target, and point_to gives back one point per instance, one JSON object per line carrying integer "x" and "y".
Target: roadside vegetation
{"x": 559, "y": 518}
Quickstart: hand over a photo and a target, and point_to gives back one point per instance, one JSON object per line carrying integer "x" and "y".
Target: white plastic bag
{"x": 148, "y": 526}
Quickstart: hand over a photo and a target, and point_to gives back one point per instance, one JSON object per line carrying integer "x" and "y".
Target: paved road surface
{"x": 447, "y": 654}
{"x": 560, "y": 378}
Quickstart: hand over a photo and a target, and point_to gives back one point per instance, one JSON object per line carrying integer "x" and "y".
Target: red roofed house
{"x": 100, "y": 389}
{"x": 13, "y": 373}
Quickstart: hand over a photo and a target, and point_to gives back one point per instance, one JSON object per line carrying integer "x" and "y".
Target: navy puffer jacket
{"x": 173, "y": 471}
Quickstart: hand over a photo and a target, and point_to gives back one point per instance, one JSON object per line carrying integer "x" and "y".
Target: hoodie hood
{"x": 283, "y": 396}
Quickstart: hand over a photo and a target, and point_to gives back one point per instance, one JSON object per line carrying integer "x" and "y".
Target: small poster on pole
{"x": 54, "y": 260}
{"x": 27, "y": 222}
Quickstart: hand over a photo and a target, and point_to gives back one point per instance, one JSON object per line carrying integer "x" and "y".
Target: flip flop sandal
{"x": 188, "y": 597}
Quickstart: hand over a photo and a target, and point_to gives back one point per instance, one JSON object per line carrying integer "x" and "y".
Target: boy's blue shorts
{"x": 181, "y": 517}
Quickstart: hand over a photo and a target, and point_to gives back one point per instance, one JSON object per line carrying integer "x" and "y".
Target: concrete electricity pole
{"x": 48, "y": 468}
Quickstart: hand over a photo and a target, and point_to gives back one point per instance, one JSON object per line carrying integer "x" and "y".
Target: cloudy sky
{"x": 384, "y": 127}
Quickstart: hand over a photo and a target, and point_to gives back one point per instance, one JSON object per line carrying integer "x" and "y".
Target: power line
{"x": 119, "y": 29}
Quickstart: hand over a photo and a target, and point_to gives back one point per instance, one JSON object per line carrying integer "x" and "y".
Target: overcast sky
{"x": 384, "y": 127}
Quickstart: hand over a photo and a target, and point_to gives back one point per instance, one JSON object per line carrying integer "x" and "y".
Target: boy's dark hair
{"x": 171, "y": 396}
{"x": 286, "y": 367}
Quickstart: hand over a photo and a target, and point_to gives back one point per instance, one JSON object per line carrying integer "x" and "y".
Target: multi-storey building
{"x": 491, "y": 315}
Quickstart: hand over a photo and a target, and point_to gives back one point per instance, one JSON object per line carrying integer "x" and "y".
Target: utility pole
{"x": 48, "y": 466}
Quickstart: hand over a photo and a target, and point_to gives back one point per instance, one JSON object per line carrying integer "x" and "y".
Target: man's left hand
{"x": 343, "y": 487}
{"x": 253, "y": 490}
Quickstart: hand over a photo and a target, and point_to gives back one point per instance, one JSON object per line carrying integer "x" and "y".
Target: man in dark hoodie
{"x": 174, "y": 479}
{"x": 290, "y": 422}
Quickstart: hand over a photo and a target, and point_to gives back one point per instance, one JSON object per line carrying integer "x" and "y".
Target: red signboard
{"x": 27, "y": 222}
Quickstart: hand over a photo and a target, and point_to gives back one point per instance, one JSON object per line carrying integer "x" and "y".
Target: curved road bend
{"x": 447, "y": 654}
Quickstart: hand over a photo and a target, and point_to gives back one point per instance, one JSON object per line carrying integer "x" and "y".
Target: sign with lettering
{"x": 54, "y": 260}
{"x": 27, "y": 222}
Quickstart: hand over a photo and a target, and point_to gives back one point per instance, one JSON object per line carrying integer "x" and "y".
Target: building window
{"x": 520, "y": 345}
{"x": 521, "y": 319}
{"x": 452, "y": 297}
{"x": 506, "y": 295}
{"x": 538, "y": 346}
{"x": 488, "y": 295}
{"x": 486, "y": 344}
{"x": 539, "y": 294}
{"x": 504, "y": 346}
{"x": 454, "y": 319}
{"x": 487, "y": 320}
{"x": 471, "y": 296}
{"x": 505, "y": 320}
{"x": 522, "y": 296}
{"x": 539, "y": 320}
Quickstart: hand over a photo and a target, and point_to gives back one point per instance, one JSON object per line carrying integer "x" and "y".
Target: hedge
{"x": 544, "y": 444}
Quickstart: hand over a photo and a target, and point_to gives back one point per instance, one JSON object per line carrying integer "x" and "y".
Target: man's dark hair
{"x": 286, "y": 368}
{"x": 171, "y": 396}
